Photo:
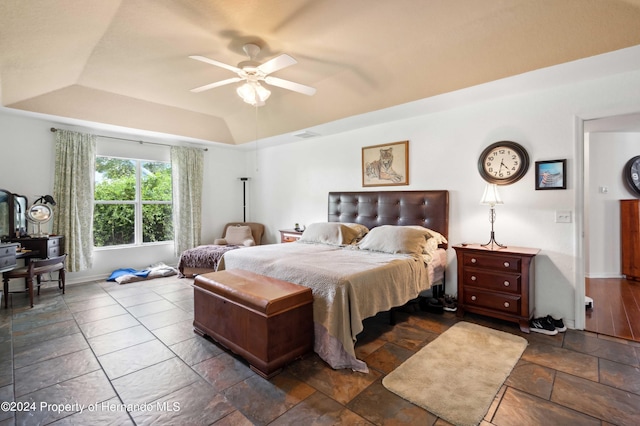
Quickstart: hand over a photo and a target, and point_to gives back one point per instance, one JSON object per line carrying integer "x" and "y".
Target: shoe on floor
{"x": 558, "y": 324}
{"x": 449, "y": 303}
{"x": 543, "y": 325}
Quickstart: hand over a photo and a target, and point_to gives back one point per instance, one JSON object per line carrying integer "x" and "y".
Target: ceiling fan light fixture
{"x": 253, "y": 93}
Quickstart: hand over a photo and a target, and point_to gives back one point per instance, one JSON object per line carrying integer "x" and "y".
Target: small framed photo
{"x": 551, "y": 174}
{"x": 386, "y": 165}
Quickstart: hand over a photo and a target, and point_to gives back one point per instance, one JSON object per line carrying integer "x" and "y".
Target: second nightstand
{"x": 289, "y": 235}
{"x": 498, "y": 283}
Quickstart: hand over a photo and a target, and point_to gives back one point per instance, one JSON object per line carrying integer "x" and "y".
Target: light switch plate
{"x": 563, "y": 216}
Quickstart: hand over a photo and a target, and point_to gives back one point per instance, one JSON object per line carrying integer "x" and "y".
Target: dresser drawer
{"x": 496, "y": 301}
{"x": 500, "y": 263}
{"x": 492, "y": 280}
{"x": 54, "y": 251}
{"x": 7, "y": 261}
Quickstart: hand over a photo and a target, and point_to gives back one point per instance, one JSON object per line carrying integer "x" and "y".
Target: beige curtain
{"x": 73, "y": 193}
{"x": 187, "y": 165}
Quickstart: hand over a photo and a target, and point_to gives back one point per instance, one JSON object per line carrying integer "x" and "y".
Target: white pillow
{"x": 237, "y": 235}
{"x": 395, "y": 239}
{"x": 332, "y": 233}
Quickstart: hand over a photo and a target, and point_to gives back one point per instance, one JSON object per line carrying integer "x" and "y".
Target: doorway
{"x": 607, "y": 144}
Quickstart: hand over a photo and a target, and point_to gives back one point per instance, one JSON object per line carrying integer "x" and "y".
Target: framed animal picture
{"x": 386, "y": 165}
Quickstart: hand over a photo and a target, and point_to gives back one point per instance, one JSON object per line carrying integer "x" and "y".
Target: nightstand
{"x": 498, "y": 283}
{"x": 289, "y": 235}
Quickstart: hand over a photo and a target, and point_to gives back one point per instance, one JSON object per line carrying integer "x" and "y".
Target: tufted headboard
{"x": 374, "y": 208}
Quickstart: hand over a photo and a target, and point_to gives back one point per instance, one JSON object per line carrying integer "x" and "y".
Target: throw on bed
{"x": 206, "y": 256}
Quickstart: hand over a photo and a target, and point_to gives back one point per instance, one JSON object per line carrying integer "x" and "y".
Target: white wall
{"x": 608, "y": 152}
{"x": 291, "y": 181}
{"x": 27, "y": 147}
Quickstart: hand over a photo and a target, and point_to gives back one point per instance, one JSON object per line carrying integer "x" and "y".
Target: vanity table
{"x": 43, "y": 247}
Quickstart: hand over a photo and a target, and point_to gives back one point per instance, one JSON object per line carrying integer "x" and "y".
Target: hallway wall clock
{"x": 632, "y": 174}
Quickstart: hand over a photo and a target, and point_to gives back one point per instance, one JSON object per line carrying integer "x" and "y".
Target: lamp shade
{"x": 253, "y": 93}
{"x": 491, "y": 196}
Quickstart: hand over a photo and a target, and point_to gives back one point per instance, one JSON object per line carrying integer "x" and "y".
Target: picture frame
{"x": 551, "y": 174}
{"x": 386, "y": 164}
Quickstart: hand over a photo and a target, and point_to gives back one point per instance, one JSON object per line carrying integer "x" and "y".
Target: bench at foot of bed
{"x": 266, "y": 321}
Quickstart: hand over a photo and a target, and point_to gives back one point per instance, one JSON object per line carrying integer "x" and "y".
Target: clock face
{"x": 503, "y": 163}
{"x": 632, "y": 174}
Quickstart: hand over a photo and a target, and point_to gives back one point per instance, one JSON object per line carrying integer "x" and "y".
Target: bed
{"x": 205, "y": 258}
{"x": 351, "y": 282}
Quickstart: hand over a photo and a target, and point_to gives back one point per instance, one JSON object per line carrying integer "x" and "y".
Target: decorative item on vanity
{"x": 503, "y": 163}
{"x": 551, "y": 174}
{"x": 632, "y": 174}
{"x": 491, "y": 197}
{"x": 41, "y": 212}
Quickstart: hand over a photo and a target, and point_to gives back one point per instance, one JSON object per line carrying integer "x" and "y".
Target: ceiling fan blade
{"x": 216, "y": 84}
{"x": 216, "y": 63}
{"x": 290, "y": 85}
{"x": 277, "y": 64}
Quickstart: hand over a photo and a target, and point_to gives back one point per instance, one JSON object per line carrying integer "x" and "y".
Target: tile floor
{"x": 103, "y": 347}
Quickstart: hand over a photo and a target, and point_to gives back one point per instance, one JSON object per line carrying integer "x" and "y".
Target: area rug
{"x": 457, "y": 376}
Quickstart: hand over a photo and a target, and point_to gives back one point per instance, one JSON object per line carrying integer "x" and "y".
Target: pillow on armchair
{"x": 239, "y": 236}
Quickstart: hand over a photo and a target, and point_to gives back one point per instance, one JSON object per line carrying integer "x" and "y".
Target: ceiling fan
{"x": 252, "y": 72}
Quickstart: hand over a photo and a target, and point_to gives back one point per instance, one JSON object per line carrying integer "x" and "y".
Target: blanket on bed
{"x": 348, "y": 286}
{"x": 205, "y": 256}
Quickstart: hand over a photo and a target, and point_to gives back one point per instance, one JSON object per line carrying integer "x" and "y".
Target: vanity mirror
{"x": 5, "y": 213}
{"x": 19, "y": 225}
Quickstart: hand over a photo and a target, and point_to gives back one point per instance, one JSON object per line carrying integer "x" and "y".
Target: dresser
{"x": 50, "y": 246}
{"x": 289, "y": 235}
{"x": 7, "y": 256}
{"x": 630, "y": 238}
{"x": 497, "y": 283}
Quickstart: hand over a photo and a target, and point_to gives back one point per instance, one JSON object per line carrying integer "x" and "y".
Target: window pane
{"x": 113, "y": 224}
{"x": 156, "y": 181}
{"x": 157, "y": 224}
{"x": 115, "y": 179}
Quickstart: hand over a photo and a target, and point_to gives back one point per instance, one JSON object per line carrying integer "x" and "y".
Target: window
{"x": 132, "y": 202}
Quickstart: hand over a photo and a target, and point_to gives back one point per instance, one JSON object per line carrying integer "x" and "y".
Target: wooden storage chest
{"x": 269, "y": 322}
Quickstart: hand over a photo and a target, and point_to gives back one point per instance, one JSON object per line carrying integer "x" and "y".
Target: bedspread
{"x": 206, "y": 256}
{"x": 348, "y": 286}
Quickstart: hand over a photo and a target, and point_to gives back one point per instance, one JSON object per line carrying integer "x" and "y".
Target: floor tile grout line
{"x": 115, "y": 391}
{"x": 164, "y": 344}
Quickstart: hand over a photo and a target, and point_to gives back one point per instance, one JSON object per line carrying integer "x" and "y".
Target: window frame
{"x": 138, "y": 203}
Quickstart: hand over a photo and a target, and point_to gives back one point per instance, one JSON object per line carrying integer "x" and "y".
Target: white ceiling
{"x": 125, "y": 63}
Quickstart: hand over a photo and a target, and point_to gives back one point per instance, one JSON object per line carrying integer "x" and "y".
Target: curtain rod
{"x": 53, "y": 129}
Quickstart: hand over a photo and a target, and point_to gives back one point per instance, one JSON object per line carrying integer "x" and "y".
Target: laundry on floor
{"x": 129, "y": 275}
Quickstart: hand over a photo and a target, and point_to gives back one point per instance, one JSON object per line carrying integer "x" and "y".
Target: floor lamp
{"x": 244, "y": 198}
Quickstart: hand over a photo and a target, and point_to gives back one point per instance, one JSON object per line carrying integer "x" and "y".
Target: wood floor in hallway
{"x": 616, "y": 307}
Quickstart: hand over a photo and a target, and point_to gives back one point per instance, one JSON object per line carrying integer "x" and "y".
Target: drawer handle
{"x": 473, "y": 298}
{"x": 506, "y": 304}
{"x": 506, "y": 264}
{"x": 506, "y": 283}
{"x": 473, "y": 260}
{"x": 473, "y": 278}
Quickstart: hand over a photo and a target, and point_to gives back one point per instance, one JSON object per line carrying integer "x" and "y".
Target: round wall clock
{"x": 503, "y": 162}
{"x": 632, "y": 174}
